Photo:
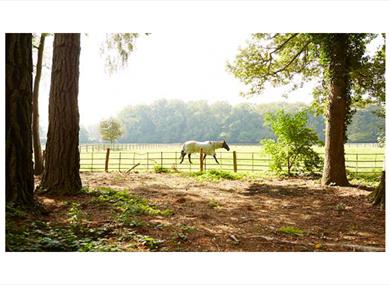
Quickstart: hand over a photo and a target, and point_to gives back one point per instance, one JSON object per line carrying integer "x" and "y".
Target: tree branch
{"x": 293, "y": 59}
{"x": 283, "y": 44}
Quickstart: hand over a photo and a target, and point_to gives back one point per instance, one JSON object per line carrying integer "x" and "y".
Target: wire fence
{"x": 122, "y": 161}
{"x": 155, "y": 146}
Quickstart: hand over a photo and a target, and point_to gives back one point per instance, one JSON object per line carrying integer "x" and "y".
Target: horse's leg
{"x": 215, "y": 157}
{"x": 204, "y": 157}
{"x": 189, "y": 157}
{"x": 183, "y": 154}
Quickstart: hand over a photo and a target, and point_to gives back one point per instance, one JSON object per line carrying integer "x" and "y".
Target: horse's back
{"x": 195, "y": 146}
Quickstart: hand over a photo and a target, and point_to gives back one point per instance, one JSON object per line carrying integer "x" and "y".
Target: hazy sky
{"x": 164, "y": 65}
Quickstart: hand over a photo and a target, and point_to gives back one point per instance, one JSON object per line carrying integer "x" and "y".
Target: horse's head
{"x": 225, "y": 146}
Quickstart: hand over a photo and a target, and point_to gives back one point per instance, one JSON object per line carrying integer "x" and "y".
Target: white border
{"x": 187, "y": 17}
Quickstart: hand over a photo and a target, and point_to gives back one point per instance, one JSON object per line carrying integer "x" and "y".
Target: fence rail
{"x": 110, "y": 160}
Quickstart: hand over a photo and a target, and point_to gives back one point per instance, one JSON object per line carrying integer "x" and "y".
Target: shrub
{"x": 292, "y": 149}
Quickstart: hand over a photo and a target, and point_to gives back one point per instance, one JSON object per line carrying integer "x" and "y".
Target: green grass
{"x": 129, "y": 205}
{"x": 369, "y": 180}
{"x": 216, "y": 175}
{"x": 291, "y": 231}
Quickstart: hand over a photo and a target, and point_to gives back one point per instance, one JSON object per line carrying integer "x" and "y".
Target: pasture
{"x": 360, "y": 158}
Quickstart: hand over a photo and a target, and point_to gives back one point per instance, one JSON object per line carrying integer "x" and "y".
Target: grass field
{"x": 250, "y": 158}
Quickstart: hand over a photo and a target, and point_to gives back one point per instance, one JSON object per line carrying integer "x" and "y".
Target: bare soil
{"x": 241, "y": 215}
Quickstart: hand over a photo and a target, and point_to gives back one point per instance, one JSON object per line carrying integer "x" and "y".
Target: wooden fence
{"x": 231, "y": 161}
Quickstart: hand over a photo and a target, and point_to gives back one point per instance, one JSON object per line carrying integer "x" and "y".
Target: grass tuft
{"x": 291, "y": 230}
{"x": 217, "y": 175}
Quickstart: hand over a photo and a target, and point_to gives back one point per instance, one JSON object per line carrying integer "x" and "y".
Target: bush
{"x": 292, "y": 149}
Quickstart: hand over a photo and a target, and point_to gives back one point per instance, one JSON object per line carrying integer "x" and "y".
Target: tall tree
{"x": 293, "y": 59}
{"x": 38, "y": 159}
{"x": 378, "y": 95}
{"x": 62, "y": 160}
{"x": 19, "y": 165}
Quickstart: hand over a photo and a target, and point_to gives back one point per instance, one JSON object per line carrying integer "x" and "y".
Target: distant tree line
{"x": 172, "y": 121}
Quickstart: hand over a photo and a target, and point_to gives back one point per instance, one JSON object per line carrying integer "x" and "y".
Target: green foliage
{"x": 43, "y": 236}
{"x": 295, "y": 58}
{"x": 366, "y": 179}
{"x": 83, "y": 135}
{"x": 172, "y": 121}
{"x": 14, "y": 212}
{"x": 159, "y": 169}
{"x": 187, "y": 229}
{"x": 291, "y": 230}
{"x": 366, "y": 125}
{"x": 129, "y": 205}
{"x": 75, "y": 216}
{"x": 292, "y": 59}
{"x": 150, "y": 242}
{"x": 110, "y": 130}
{"x": 75, "y": 234}
{"x": 276, "y": 59}
{"x": 217, "y": 175}
{"x": 293, "y": 145}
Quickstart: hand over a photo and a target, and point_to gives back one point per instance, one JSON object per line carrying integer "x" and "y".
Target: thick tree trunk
{"x": 38, "y": 159}
{"x": 19, "y": 165}
{"x": 62, "y": 158}
{"x": 334, "y": 166}
{"x": 378, "y": 196}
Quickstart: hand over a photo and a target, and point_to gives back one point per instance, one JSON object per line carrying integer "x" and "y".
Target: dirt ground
{"x": 244, "y": 215}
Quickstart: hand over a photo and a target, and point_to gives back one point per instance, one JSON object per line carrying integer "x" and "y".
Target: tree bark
{"x": 62, "y": 158}
{"x": 19, "y": 165}
{"x": 378, "y": 196}
{"x": 38, "y": 159}
{"x": 334, "y": 165}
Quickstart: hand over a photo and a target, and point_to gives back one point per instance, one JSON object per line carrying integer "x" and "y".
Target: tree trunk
{"x": 334, "y": 166}
{"x": 38, "y": 159}
{"x": 19, "y": 165}
{"x": 378, "y": 196}
{"x": 62, "y": 158}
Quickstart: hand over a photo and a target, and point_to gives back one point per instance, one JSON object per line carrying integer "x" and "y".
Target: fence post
{"x": 201, "y": 159}
{"x": 161, "y": 159}
{"x": 119, "y": 161}
{"x": 234, "y": 161}
{"x": 91, "y": 161}
{"x": 147, "y": 161}
{"x": 253, "y": 169}
{"x": 356, "y": 167}
{"x": 107, "y": 159}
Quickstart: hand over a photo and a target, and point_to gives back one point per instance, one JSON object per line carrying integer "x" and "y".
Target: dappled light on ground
{"x": 172, "y": 212}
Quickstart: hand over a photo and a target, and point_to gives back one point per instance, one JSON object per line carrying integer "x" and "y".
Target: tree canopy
{"x": 172, "y": 121}
{"x": 110, "y": 130}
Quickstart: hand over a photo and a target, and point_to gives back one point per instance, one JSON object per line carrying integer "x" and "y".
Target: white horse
{"x": 208, "y": 147}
